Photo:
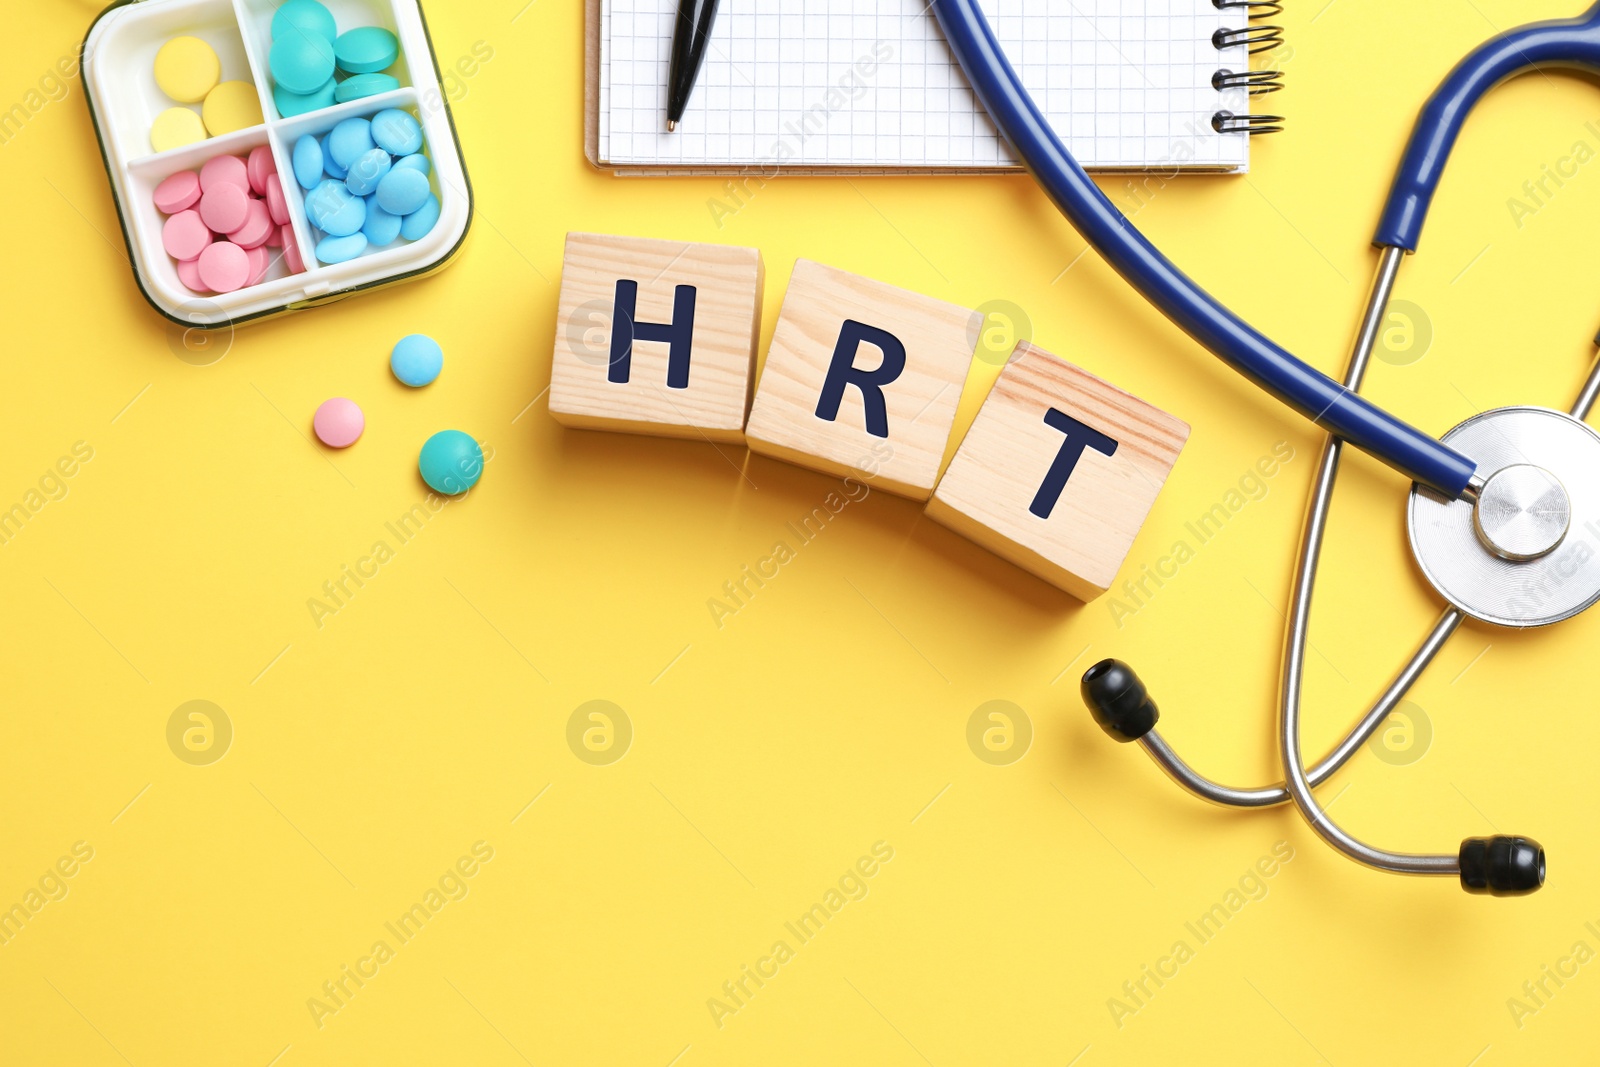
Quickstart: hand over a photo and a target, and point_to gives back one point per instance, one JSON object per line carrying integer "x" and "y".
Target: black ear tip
{"x": 1118, "y": 701}
{"x": 1502, "y": 866}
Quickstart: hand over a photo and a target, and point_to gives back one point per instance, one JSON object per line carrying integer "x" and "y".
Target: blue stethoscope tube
{"x": 1340, "y": 411}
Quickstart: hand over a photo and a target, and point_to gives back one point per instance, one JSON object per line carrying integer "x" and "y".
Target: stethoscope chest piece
{"x": 1526, "y": 552}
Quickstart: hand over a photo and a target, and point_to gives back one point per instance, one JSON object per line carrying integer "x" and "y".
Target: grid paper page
{"x": 871, "y": 83}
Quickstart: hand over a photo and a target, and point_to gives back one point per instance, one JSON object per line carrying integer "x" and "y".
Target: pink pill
{"x": 185, "y": 235}
{"x": 224, "y": 267}
{"x": 275, "y": 239}
{"x": 178, "y": 193}
{"x": 224, "y": 207}
{"x": 257, "y": 227}
{"x": 224, "y": 170}
{"x": 291, "y": 252}
{"x": 259, "y": 166}
{"x": 260, "y": 263}
{"x": 189, "y": 275}
{"x": 276, "y": 202}
{"x": 339, "y": 423}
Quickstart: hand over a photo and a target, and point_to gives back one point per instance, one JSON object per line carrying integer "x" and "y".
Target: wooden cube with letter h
{"x": 1058, "y": 472}
{"x": 656, "y": 337}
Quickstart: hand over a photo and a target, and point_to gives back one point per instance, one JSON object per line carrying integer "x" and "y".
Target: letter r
{"x": 1079, "y": 437}
{"x": 679, "y": 334}
{"x": 842, "y": 371}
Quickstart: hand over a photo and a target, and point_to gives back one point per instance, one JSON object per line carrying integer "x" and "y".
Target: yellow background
{"x": 827, "y": 715}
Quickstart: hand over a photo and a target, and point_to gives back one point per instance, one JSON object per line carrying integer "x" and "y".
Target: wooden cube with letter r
{"x": 656, "y": 337}
{"x": 1058, "y": 472}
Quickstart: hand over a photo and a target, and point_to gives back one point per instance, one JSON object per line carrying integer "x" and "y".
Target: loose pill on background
{"x": 421, "y": 222}
{"x": 258, "y": 167}
{"x": 178, "y": 193}
{"x": 175, "y": 128}
{"x": 231, "y": 106}
{"x": 330, "y": 166}
{"x": 361, "y": 86}
{"x": 185, "y": 235}
{"x": 258, "y": 226}
{"x": 224, "y": 267}
{"x": 277, "y": 203}
{"x": 349, "y": 141}
{"x": 187, "y": 68}
{"x": 403, "y": 191}
{"x": 366, "y": 50}
{"x": 334, "y": 209}
{"x": 291, "y": 104}
{"x": 301, "y": 62}
{"x": 367, "y": 171}
{"x": 417, "y": 162}
{"x": 189, "y": 275}
{"x": 260, "y": 263}
{"x": 396, "y": 133}
{"x": 339, "y": 422}
{"x": 308, "y": 162}
{"x": 225, "y": 207}
{"x": 341, "y": 249}
{"x": 304, "y": 16}
{"x": 381, "y": 227}
{"x": 417, "y": 360}
{"x": 224, "y": 170}
{"x": 451, "y": 462}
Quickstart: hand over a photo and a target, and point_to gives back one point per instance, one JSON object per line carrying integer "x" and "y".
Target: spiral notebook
{"x": 869, "y": 86}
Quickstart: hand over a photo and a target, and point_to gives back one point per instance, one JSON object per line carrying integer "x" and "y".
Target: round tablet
{"x": 304, "y": 16}
{"x": 414, "y": 162}
{"x": 275, "y": 238}
{"x": 260, "y": 263}
{"x": 301, "y": 62}
{"x": 178, "y": 193}
{"x": 341, "y": 249}
{"x": 224, "y": 267}
{"x": 330, "y": 166}
{"x": 231, "y": 106}
{"x": 258, "y": 167}
{"x": 403, "y": 191}
{"x": 291, "y": 104}
{"x": 339, "y": 422}
{"x": 396, "y": 132}
{"x": 361, "y": 86}
{"x": 308, "y": 162}
{"x": 366, "y": 50}
{"x": 417, "y": 360}
{"x": 291, "y": 252}
{"x": 451, "y": 462}
{"x": 175, "y": 128}
{"x": 189, "y": 275}
{"x": 421, "y": 222}
{"x": 185, "y": 235}
{"x": 187, "y": 69}
{"x": 277, "y": 203}
{"x": 367, "y": 171}
{"x": 349, "y": 141}
{"x": 223, "y": 170}
{"x": 335, "y": 210}
{"x": 257, "y": 227}
{"x": 381, "y": 227}
{"x": 225, "y": 207}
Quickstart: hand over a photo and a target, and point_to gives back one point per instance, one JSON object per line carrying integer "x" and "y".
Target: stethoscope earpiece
{"x": 1501, "y": 866}
{"x": 1118, "y": 701}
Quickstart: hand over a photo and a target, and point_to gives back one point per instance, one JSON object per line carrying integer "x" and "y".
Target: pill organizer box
{"x": 124, "y": 100}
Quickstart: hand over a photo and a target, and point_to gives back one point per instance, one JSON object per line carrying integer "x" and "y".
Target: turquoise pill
{"x": 341, "y": 249}
{"x": 366, "y": 50}
{"x": 301, "y": 62}
{"x": 349, "y": 141}
{"x": 361, "y": 86}
{"x": 367, "y": 171}
{"x": 381, "y": 227}
{"x": 403, "y": 191}
{"x": 417, "y": 360}
{"x": 335, "y": 210}
{"x": 396, "y": 132}
{"x": 292, "y": 104}
{"x": 304, "y": 16}
{"x": 330, "y": 165}
{"x": 451, "y": 462}
{"x": 308, "y": 162}
{"x": 421, "y": 222}
{"x": 414, "y": 162}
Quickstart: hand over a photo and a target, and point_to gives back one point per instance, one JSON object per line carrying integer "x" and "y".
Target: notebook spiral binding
{"x": 1258, "y": 38}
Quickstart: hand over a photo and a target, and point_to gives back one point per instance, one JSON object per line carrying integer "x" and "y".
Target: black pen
{"x": 689, "y": 42}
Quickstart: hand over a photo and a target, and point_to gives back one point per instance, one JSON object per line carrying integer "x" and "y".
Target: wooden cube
{"x": 1058, "y": 472}
{"x": 862, "y": 379}
{"x": 656, "y": 337}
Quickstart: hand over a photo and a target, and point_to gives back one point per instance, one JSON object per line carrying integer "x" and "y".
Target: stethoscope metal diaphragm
{"x": 1527, "y": 551}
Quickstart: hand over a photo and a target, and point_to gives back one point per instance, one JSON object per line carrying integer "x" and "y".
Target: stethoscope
{"x": 1504, "y": 518}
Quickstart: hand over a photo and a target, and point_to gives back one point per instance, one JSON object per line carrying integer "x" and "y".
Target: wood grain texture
{"x": 727, "y": 328}
{"x": 939, "y": 340}
{"x": 987, "y": 491}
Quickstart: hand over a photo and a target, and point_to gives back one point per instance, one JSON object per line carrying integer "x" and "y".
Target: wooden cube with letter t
{"x": 1058, "y": 472}
{"x": 656, "y": 337}
{"x": 859, "y": 371}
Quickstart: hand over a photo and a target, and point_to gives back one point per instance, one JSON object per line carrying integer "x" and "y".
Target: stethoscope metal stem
{"x": 1590, "y": 391}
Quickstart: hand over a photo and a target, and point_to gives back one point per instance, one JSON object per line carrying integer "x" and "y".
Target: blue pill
{"x": 341, "y": 249}
{"x": 335, "y": 210}
{"x": 451, "y": 462}
{"x": 414, "y": 162}
{"x": 304, "y": 16}
{"x": 301, "y": 62}
{"x": 361, "y": 86}
{"x": 417, "y": 360}
{"x": 308, "y": 162}
{"x": 366, "y": 50}
{"x": 381, "y": 227}
{"x": 367, "y": 171}
{"x": 349, "y": 141}
{"x": 329, "y": 165}
{"x": 396, "y": 133}
{"x": 421, "y": 222}
{"x": 292, "y": 104}
{"x": 403, "y": 191}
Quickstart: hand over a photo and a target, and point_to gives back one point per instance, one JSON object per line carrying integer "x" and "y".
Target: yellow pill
{"x": 187, "y": 69}
{"x": 232, "y": 106}
{"x": 175, "y": 128}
